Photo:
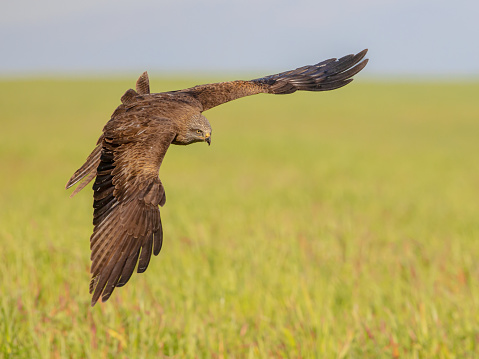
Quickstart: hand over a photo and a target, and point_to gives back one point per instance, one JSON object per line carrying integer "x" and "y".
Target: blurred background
{"x": 405, "y": 37}
{"x": 340, "y": 224}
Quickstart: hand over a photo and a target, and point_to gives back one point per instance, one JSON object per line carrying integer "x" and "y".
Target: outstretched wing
{"x": 127, "y": 192}
{"x": 324, "y": 76}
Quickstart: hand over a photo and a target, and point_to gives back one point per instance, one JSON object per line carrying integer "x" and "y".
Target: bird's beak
{"x": 208, "y": 138}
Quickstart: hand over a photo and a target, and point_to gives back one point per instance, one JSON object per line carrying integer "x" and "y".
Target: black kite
{"x": 126, "y": 161}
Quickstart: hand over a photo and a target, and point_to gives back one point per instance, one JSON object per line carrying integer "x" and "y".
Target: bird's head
{"x": 198, "y": 130}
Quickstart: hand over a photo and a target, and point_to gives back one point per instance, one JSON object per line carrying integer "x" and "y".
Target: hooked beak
{"x": 208, "y": 139}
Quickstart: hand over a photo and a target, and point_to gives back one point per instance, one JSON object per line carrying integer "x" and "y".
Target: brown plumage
{"x": 129, "y": 153}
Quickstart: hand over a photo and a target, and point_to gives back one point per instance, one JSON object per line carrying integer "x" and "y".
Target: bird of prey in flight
{"x": 125, "y": 163}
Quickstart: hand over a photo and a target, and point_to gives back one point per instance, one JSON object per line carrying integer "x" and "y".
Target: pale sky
{"x": 404, "y": 37}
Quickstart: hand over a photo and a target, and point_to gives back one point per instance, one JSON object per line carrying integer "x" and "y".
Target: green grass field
{"x": 317, "y": 225}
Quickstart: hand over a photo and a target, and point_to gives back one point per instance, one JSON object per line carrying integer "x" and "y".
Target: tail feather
{"x": 82, "y": 185}
{"x": 86, "y": 172}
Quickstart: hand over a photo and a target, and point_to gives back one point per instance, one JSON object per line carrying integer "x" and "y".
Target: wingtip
{"x": 106, "y": 296}
{"x": 361, "y": 66}
{"x": 360, "y": 55}
{"x": 95, "y": 298}
{"x": 103, "y": 298}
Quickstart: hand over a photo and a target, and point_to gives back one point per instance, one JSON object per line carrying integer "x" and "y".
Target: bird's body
{"x": 126, "y": 161}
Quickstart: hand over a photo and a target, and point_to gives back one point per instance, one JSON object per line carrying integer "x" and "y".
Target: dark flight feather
{"x": 324, "y": 76}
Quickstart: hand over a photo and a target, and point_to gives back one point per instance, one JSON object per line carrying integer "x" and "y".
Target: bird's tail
{"x": 86, "y": 172}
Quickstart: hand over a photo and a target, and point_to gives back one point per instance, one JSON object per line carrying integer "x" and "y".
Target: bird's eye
{"x": 199, "y": 131}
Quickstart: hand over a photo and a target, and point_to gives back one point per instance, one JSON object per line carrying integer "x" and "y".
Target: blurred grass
{"x": 317, "y": 225}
